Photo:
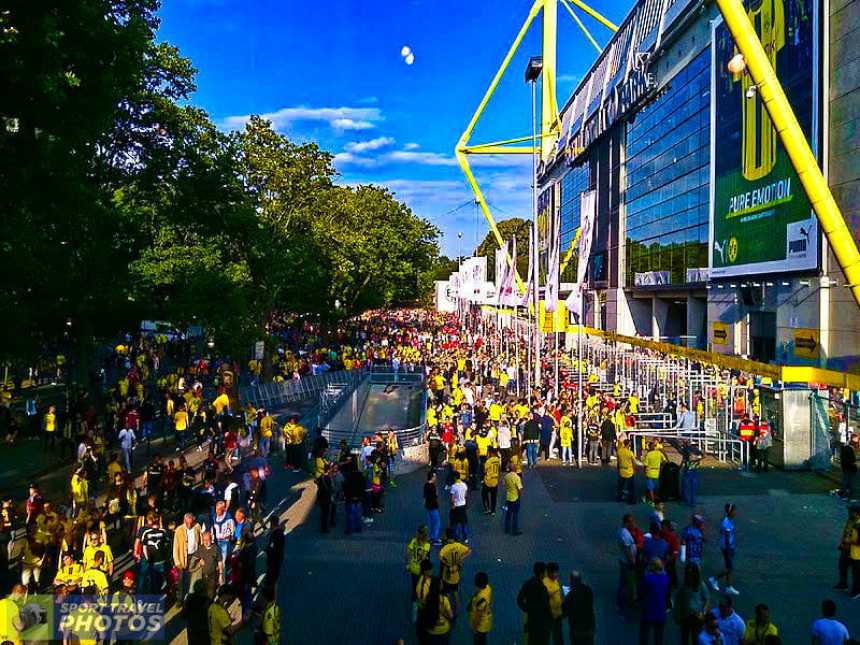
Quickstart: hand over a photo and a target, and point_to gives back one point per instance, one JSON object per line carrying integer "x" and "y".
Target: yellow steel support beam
{"x": 550, "y": 128}
{"x": 499, "y": 150}
{"x": 579, "y": 23}
{"x": 599, "y": 18}
{"x": 462, "y": 145}
{"x": 478, "y": 146}
{"x": 549, "y": 102}
{"x": 793, "y": 140}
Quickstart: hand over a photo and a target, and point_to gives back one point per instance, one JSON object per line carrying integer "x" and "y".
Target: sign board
{"x": 806, "y": 342}
{"x": 720, "y": 333}
{"x": 761, "y": 220}
{"x": 710, "y": 425}
{"x": 259, "y": 350}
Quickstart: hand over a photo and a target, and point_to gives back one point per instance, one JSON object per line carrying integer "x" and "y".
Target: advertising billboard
{"x": 761, "y": 220}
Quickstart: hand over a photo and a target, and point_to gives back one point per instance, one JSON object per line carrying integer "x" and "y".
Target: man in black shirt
{"x": 578, "y": 607}
{"x": 607, "y": 437}
{"x": 275, "y": 551}
{"x": 353, "y": 492}
{"x": 152, "y": 479}
{"x": 151, "y": 550}
{"x": 848, "y": 463}
{"x": 431, "y": 505}
{"x": 533, "y": 600}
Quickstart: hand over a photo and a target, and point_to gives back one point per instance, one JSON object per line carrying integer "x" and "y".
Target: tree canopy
{"x": 122, "y": 201}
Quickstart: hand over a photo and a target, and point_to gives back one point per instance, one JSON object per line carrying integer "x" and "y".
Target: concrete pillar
{"x": 659, "y": 316}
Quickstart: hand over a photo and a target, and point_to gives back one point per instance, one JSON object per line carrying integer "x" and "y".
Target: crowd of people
{"x": 195, "y": 512}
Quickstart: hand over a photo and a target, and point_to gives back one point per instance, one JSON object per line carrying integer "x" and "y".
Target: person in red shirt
{"x": 674, "y": 551}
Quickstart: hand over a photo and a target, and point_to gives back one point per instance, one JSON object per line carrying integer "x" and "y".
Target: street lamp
{"x": 533, "y": 72}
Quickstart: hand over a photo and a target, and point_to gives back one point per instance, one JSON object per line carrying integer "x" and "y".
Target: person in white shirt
{"x": 731, "y": 625}
{"x": 126, "y": 443}
{"x": 459, "y": 520}
{"x": 469, "y": 394}
{"x": 827, "y": 630}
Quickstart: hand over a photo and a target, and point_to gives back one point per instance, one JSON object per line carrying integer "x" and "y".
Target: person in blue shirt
{"x": 655, "y": 599}
{"x": 693, "y": 541}
{"x": 654, "y": 547}
{"x": 727, "y": 546}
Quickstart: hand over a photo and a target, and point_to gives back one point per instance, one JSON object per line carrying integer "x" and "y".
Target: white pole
{"x": 579, "y": 394}
{"x": 535, "y": 263}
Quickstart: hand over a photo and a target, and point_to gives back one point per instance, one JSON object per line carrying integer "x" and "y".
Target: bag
{"x": 670, "y": 482}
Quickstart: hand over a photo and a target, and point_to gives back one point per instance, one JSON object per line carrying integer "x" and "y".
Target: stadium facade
{"x": 703, "y": 233}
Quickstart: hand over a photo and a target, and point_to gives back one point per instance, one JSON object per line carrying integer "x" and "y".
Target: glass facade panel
{"x": 572, "y": 184}
{"x": 666, "y": 197}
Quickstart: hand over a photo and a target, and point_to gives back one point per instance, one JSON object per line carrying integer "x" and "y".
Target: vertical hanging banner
{"x": 761, "y": 219}
{"x": 552, "y": 278}
{"x": 508, "y": 295}
{"x": 526, "y": 300}
{"x": 588, "y": 213}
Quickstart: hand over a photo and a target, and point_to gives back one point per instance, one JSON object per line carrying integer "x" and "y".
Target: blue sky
{"x": 332, "y": 72}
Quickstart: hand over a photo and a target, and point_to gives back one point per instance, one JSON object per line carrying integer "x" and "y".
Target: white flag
{"x": 509, "y": 295}
{"x": 587, "y": 215}
{"x": 527, "y": 296}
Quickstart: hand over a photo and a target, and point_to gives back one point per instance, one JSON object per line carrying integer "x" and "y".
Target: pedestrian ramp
{"x": 379, "y": 407}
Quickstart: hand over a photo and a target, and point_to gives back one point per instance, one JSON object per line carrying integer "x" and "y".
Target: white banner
{"x": 552, "y": 278}
{"x": 587, "y": 215}
{"x": 574, "y": 301}
{"x": 501, "y": 263}
{"x": 527, "y": 296}
{"x": 509, "y": 297}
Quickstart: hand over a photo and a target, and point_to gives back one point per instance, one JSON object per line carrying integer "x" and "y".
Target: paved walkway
{"x": 354, "y": 589}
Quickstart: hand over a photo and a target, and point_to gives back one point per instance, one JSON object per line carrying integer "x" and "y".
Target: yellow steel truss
{"x": 550, "y": 122}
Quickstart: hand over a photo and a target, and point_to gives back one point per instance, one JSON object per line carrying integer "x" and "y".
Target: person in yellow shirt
{"x": 221, "y": 403}
{"x": 490, "y": 487}
{"x": 633, "y": 404}
{"x": 11, "y": 624}
{"x": 565, "y": 437}
{"x": 451, "y": 557}
{"x": 49, "y": 425}
{"x": 70, "y": 573}
{"x": 480, "y": 609}
{"x": 180, "y": 425}
{"x": 516, "y": 460}
{"x": 267, "y": 425}
{"x": 626, "y": 463}
{"x": 553, "y": 588}
{"x": 760, "y": 627}
{"x": 438, "y": 614}
{"x": 653, "y": 461}
{"x": 80, "y": 490}
{"x": 417, "y": 551}
{"x": 95, "y": 547}
{"x": 94, "y": 579}
{"x": 513, "y": 490}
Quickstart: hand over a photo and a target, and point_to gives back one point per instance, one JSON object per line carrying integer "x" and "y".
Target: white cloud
{"x": 568, "y": 78}
{"x": 372, "y": 144}
{"x": 351, "y": 124}
{"x": 424, "y": 158}
{"x": 339, "y": 118}
{"x": 411, "y": 146}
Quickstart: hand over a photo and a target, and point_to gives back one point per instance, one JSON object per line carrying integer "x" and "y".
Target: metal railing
{"x": 711, "y": 442}
{"x": 276, "y": 394}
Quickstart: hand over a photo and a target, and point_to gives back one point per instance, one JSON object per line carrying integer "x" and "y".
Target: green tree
{"x": 64, "y": 69}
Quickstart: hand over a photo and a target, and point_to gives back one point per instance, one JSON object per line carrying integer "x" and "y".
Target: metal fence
{"x": 277, "y": 394}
